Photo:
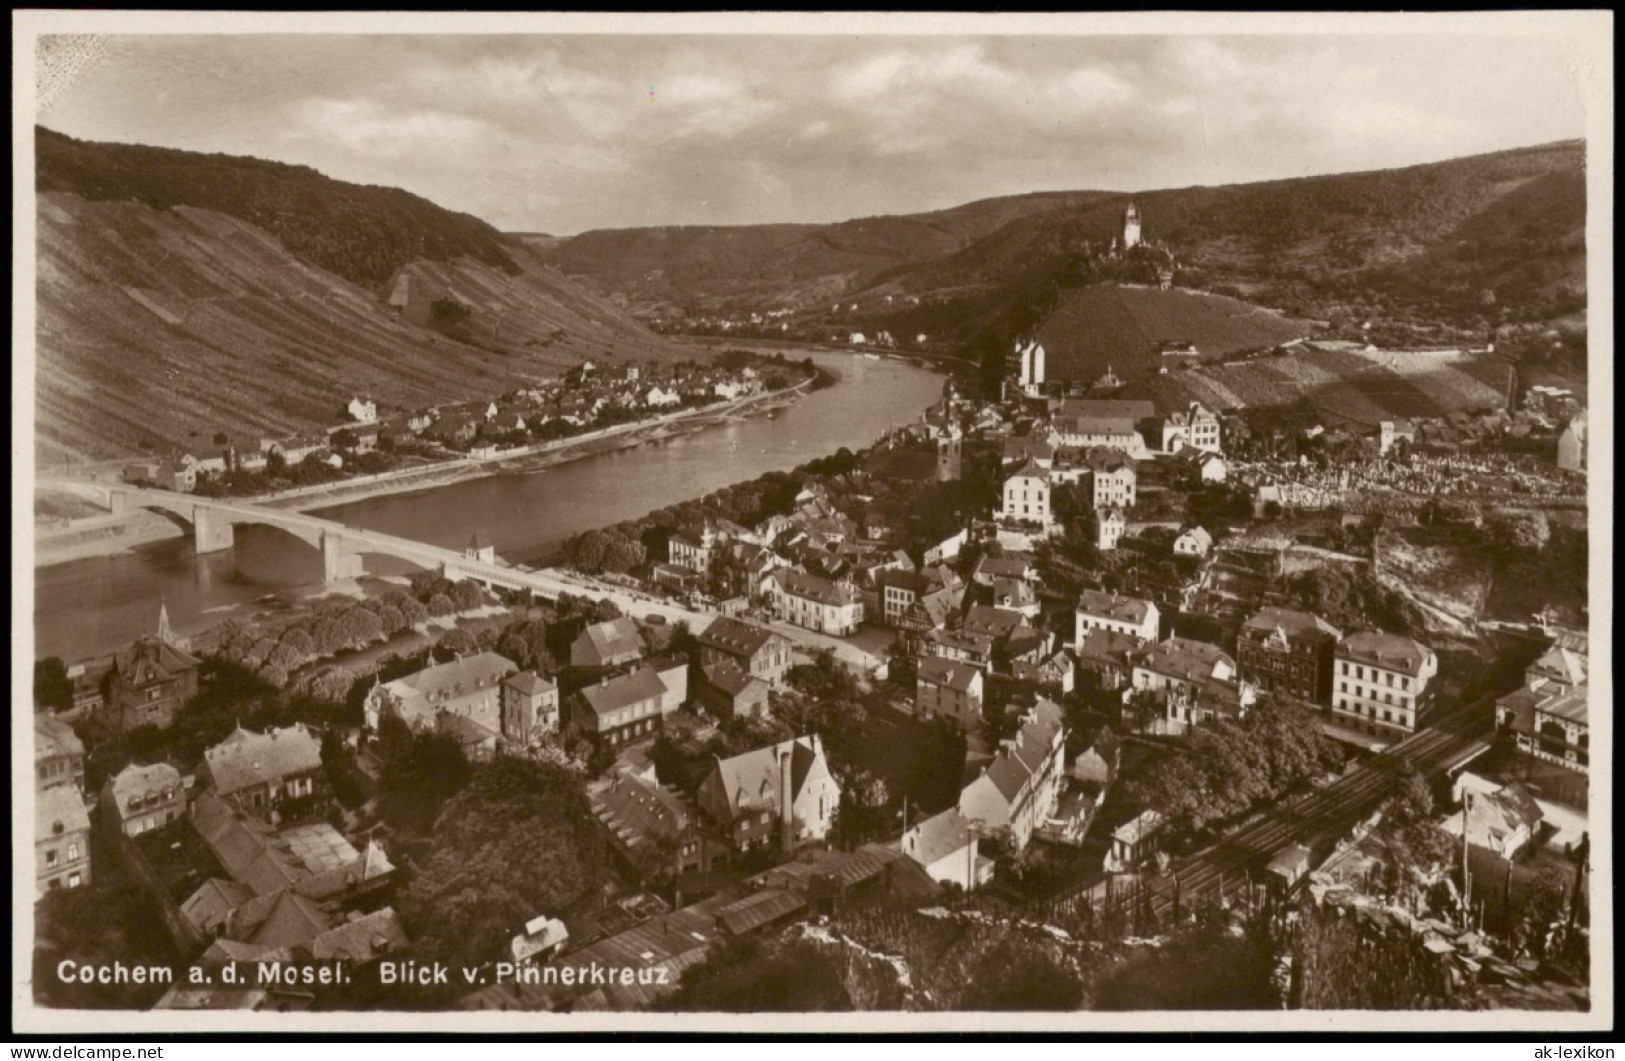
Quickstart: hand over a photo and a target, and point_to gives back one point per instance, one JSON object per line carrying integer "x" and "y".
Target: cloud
{"x": 562, "y": 133}
{"x": 368, "y": 127}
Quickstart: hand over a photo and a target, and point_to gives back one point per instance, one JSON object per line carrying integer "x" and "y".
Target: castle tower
{"x": 1131, "y": 227}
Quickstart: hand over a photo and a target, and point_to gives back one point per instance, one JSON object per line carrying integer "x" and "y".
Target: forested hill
{"x": 1434, "y": 241}
{"x": 362, "y": 233}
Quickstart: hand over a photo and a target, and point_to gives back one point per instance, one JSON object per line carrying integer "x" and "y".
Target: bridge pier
{"x": 211, "y": 531}
{"x": 339, "y": 562}
{"x": 118, "y": 502}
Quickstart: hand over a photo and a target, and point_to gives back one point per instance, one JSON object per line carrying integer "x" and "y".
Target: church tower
{"x": 1131, "y": 227}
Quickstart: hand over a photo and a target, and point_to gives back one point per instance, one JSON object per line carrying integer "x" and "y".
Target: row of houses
{"x": 1375, "y": 683}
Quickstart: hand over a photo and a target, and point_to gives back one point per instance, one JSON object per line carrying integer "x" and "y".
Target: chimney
{"x": 787, "y": 823}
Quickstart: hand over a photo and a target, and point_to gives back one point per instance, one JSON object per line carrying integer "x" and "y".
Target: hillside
{"x": 1417, "y": 246}
{"x": 713, "y": 268}
{"x": 1119, "y": 327}
{"x": 1337, "y": 386}
{"x": 160, "y": 325}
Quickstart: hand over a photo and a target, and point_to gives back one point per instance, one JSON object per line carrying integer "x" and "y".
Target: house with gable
{"x": 59, "y": 755}
{"x": 469, "y": 686}
{"x": 530, "y": 707}
{"x": 780, "y": 795}
{"x": 61, "y": 840}
{"x": 150, "y": 680}
{"x": 260, "y": 772}
{"x": 1020, "y": 788}
{"x": 609, "y": 644}
{"x": 650, "y": 828}
{"x": 1288, "y": 653}
{"x": 138, "y": 799}
{"x": 1195, "y": 681}
{"x": 1026, "y": 495}
{"x": 1114, "y": 613}
{"x": 622, "y": 709}
{"x": 1383, "y": 683}
{"x": 945, "y": 688}
{"x": 754, "y": 650}
{"x": 946, "y": 847}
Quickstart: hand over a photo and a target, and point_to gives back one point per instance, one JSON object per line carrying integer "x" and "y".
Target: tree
{"x": 457, "y": 640}
{"x": 467, "y": 595}
{"x": 413, "y": 611}
{"x": 441, "y": 606}
{"x": 330, "y": 684}
{"x": 519, "y": 840}
{"x": 623, "y": 554}
{"x": 752, "y": 975}
{"x": 391, "y": 620}
{"x": 1022, "y": 975}
{"x": 53, "y": 689}
{"x": 1520, "y": 531}
{"x": 589, "y": 550}
{"x": 421, "y": 772}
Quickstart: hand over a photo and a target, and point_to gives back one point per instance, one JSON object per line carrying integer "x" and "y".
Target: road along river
{"x": 92, "y": 606}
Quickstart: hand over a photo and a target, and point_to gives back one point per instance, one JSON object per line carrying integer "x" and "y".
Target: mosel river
{"x": 91, "y": 607}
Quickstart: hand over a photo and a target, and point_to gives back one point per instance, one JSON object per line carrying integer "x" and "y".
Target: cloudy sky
{"x": 565, "y": 133}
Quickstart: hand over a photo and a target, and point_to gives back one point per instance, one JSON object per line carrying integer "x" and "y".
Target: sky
{"x": 564, "y": 133}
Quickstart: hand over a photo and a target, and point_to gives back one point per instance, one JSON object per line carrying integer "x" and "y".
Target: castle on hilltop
{"x": 1131, "y": 227}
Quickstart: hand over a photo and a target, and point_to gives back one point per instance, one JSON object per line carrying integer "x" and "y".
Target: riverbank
{"x": 63, "y": 541}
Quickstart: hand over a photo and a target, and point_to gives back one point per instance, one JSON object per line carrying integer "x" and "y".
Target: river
{"x": 91, "y": 607}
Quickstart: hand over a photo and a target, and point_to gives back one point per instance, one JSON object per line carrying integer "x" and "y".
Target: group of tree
{"x": 1234, "y": 765}
{"x": 421, "y": 772}
{"x": 612, "y": 552}
{"x": 1351, "y": 598}
{"x": 750, "y": 974}
{"x": 53, "y": 689}
{"x": 517, "y": 841}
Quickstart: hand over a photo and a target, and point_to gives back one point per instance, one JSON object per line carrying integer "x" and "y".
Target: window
{"x": 73, "y": 852}
{"x": 74, "y": 879}
{"x": 50, "y": 857}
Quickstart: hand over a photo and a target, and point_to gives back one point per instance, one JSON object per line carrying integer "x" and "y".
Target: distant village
{"x": 1102, "y": 635}
{"x": 367, "y": 442}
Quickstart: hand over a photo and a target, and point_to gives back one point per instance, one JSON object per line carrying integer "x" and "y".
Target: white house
{"x": 945, "y": 846}
{"x": 1196, "y": 427}
{"x": 362, "y": 410}
{"x": 1382, "y": 683}
{"x": 1109, "y": 528}
{"x": 658, "y": 398}
{"x": 814, "y": 603}
{"x": 1193, "y": 541}
{"x": 1019, "y": 789}
{"x": 1026, "y": 494}
{"x": 1098, "y": 610}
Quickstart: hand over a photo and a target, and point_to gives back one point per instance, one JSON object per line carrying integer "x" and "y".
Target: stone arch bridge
{"x": 213, "y": 521}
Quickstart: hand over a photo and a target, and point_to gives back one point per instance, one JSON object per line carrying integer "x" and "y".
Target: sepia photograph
{"x": 812, "y": 522}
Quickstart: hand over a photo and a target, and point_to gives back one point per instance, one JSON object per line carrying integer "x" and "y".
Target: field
{"x": 1118, "y": 327}
{"x": 1353, "y": 388}
{"x": 158, "y": 329}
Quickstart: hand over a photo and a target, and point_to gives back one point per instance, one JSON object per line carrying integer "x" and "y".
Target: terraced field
{"x": 1354, "y": 388}
{"x": 157, "y": 329}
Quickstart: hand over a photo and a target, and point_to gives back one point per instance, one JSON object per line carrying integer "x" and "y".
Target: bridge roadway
{"x": 1322, "y": 819}
{"x": 212, "y": 520}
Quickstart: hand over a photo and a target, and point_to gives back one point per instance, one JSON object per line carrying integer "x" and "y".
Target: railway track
{"x": 1320, "y": 820}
